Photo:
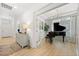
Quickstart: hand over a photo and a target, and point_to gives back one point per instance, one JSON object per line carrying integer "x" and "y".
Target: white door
{"x": 6, "y": 27}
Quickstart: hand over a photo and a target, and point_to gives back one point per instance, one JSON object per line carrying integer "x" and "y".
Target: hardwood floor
{"x": 47, "y": 49}
{"x": 8, "y": 46}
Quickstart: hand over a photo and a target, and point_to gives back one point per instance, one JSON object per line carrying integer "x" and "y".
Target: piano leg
{"x": 63, "y": 38}
{"x": 51, "y": 40}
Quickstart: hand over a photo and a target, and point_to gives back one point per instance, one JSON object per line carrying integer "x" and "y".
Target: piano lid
{"x": 58, "y": 27}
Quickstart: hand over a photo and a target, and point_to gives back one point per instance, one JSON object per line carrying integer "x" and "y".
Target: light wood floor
{"x": 46, "y": 49}
{"x": 8, "y": 46}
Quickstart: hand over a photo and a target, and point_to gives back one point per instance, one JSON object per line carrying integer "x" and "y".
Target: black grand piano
{"x": 58, "y": 31}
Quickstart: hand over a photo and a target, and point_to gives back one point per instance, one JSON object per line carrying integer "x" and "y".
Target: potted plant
{"x": 46, "y": 27}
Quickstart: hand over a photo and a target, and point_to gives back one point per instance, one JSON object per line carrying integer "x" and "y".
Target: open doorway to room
{"x": 61, "y": 33}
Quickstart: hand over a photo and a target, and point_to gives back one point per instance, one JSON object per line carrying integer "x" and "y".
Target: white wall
{"x": 0, "y": 27}
{"x": 77, "y": 33}
{"x": 5, "y": 17}
{"x": 28, "y": 17}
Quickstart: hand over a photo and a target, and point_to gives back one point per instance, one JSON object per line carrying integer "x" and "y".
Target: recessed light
{"x": 15, "y": 7}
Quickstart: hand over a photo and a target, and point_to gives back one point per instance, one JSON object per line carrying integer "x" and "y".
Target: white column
{"x": 77, "y": 33}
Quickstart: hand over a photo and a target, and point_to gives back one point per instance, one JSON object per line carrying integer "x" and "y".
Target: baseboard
{"x": 6, "y": 37}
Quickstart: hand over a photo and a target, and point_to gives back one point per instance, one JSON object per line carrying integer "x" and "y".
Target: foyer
{"x": 25, "y": 28}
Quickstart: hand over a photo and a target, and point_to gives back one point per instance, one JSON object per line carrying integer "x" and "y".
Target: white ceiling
{"x": 21, "y": 8}
{"x": 63, "y": 10}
